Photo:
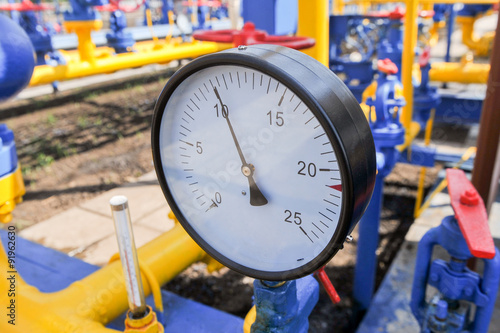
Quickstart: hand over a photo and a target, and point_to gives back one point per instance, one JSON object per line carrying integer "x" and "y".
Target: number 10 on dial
{"x": 256, "y": 149}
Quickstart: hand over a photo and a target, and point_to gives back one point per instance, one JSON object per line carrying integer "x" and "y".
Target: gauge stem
{"x": 256, "y": 196}
{"x": 128, "y": 256}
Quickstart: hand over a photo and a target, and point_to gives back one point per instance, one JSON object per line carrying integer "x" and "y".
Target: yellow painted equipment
{"x": 148, "y": 324}
{"x": 11, "y": 192}
{"x": 481, "y": 46}
{"x": 313, "y": 22}
{"x": 89, "y": 60}
{"x": 89, "y": 304}
{"x": 464, "y": 71}
{"x": 147, "y": 54}
{"x": 86, "y": 47}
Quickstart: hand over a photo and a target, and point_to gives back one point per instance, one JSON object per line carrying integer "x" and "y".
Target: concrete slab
{"x": 149, "y": 177}
{"x": 158, "y": 220}
{"x": 144, "y": 198}
{"x": 70, "y": 230}
{"x": 99, "y": 253}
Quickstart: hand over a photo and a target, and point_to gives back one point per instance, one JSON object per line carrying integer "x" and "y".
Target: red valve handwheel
{"x": 250, "y": 36}
{"x": 387, "y": 66}
{"x": 25, "y": 6}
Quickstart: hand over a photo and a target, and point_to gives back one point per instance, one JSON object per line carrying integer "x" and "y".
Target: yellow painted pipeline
{"x": 89, "y": 304}
{"x": 108, "y": 64}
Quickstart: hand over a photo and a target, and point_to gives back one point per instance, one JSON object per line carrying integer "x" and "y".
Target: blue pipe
{"x": 366, "y": 262}
{"x": 489, "y": 286}
{"x": 451, "y": 23}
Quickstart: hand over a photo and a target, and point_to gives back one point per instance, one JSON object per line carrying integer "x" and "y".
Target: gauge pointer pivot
{"x": 256, "y": 196}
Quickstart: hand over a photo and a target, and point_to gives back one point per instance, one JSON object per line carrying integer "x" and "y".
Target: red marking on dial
{"x": 337, "y": 187}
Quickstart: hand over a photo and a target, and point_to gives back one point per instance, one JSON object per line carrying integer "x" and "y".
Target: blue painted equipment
{"x": 473, "y": 10}
{"x": 391, "y": 47}
{"x": 461, "y": 108}
{"x": 388, "y": 133}
{"x": 82, "y": 10}
{"x": 11, "y": 180}
{"x": 419, "y": 155}
{"x": 425, "y": 97}
{"x": 120, "y": 40}
{"x": 464, "y": 236}
{"x": 202, "y": 13}
{"x": 276, "y": 17}
{"x": 8, "y": 155}
{"x": 284, "y": 306}
{"x": 39, "y": 34}
{"x": 17, "y": 59}
{"x": 358, "y": 73}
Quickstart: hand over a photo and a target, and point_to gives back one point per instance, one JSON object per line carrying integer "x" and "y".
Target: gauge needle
{"x": 256, "y": 196}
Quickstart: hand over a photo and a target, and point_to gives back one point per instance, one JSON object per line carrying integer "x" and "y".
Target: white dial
{"x": 252, "y": 169}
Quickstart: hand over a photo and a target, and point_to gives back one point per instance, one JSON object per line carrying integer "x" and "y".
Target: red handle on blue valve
{"x": 470, "y": 213}
{"x": 327, "y": 284}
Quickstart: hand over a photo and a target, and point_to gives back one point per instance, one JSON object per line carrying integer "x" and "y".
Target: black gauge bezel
{"x": 330, "y": 101}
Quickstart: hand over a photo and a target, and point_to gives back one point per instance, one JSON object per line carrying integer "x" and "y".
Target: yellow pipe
{"x": 434, "y": 32}
{"x": 338, "y": 7}
{"x": 314, "y": 22}
{"x": 249, "y": 320}
{"x": 89, "y": 304}
{"x": 410, "y": 135}
{"x": 409, "y": 44}
{"x": 47, "y": 74}
{"x": 86, "y": 46}
{"x": 463, "y": 72}
{"x": 482, "y": 45}
{"x": 467, "y": 155}
{"x": 149, "y": 22}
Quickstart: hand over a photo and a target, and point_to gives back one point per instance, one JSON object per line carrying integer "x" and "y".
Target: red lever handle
{"x": 470, "y": 214}
{"x": 327, "y": 284}
{"x": 250, "y": 36}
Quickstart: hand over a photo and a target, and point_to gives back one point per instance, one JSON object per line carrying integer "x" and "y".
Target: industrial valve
{"x": 464, "y": 236}
{"x": 387, "y": 130}
{"x": 250, "y": 36}
{"x": 425, "y": 97}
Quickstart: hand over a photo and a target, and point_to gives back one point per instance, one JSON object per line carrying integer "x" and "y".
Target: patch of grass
{"x": 83, "y": 122}
{"x": 44, "y": 160}
{"x": 91, "y": 95}
{"x": 98, "y": 121}
{"x": 51, "y": 119}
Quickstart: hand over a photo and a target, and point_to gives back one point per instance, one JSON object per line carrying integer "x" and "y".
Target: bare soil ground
{"x": 75, "y": 146}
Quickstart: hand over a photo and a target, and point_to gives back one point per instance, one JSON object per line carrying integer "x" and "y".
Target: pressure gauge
{"x": 265, "y": 157}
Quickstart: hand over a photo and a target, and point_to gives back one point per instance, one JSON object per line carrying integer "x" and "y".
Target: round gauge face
{"x": 252, "y": 169}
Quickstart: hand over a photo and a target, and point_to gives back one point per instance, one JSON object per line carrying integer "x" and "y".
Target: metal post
{"x": 487, "y": 162}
